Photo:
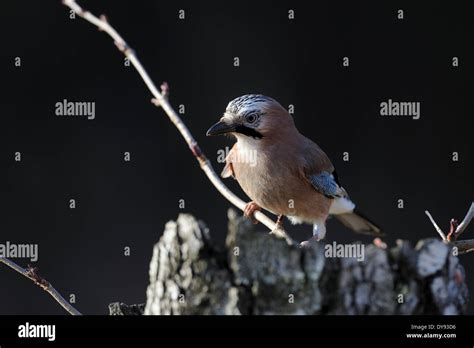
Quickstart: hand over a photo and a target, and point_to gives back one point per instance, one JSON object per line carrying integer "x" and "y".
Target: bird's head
{"x": 253, "y": 115}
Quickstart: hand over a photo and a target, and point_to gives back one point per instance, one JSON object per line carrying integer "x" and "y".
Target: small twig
{"x": 32, "y": 274}
{"x": 453, "y": 224}
{"x": 441, "y": 233}
{"x": 464, "y": 246}
{"x": 455, "y": 230}
{"x": 165, "y": 89}
{"x": 160, "y": 99}
{"x": 464, "y": 223}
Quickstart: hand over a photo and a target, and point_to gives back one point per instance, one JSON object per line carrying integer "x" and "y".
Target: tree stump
{"x": 262, "y": 273}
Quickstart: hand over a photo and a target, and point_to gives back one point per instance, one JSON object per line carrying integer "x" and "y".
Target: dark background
{"x": 297, "y": 62}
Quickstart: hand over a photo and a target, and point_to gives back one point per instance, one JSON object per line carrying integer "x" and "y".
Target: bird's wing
{"x": 326, "y": 184}
{"x": 319, "y": 171}
{"x": 229, "y": 169}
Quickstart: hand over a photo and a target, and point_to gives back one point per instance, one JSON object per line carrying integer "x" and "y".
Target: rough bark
{"x": 118, "y": 308}
{"x": 260, "y": 273}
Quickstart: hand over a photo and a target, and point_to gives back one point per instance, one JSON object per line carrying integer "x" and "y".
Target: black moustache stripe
{"x": 248, "y": 131}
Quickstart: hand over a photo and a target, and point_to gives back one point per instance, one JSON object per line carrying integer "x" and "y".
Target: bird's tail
{"x": 358, "y": 223}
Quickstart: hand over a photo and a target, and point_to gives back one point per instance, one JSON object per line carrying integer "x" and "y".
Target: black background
{"x": 296, "y": 61}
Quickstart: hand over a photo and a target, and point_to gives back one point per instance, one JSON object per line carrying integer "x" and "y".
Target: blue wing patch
{"x": 325, "y": 183}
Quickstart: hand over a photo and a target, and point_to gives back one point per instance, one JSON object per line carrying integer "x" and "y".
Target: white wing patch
{"x": 341, "y": 205}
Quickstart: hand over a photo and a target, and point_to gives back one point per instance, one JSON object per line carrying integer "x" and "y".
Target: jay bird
{"x": 289, "y": 175}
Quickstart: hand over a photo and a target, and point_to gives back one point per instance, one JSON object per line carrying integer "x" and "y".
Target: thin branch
{"x": 467, "y": 219}
{"x": 161, "y": 100}
{"x": 463, "y": 246}
{"x": 437, "y": 228}
{"x": 32, "y": 274}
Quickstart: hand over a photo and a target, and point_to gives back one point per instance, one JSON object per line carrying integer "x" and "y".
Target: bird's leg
{"x": 250, "y": 209}
{"x": 319, "y": 232}
{"x": 279, "y": 221}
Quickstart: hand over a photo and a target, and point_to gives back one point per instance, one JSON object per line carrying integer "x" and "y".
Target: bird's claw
{"x": 249, "y": 211}
{"x": 309, "y": 242}
{"x": 279, "y": 222}
{"x": 304, "y": 244}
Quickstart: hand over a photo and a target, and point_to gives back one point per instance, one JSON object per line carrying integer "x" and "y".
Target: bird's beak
{"x": 220, "y": 128}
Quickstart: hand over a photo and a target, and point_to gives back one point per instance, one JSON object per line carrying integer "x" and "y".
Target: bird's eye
{"x": 251, "y": 118}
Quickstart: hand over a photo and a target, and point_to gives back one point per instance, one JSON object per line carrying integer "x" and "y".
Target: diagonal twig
{"x": 160, "y": 100}
{"x": 467, "y": 219}
{"x": 32, "y": 274}
{"x": 463, "y": 246}
{"x": 437, "y": 228}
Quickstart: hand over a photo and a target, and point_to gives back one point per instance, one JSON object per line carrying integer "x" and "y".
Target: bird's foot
{"x": 309, "y": 242}
{"x": 279, "y": 222}
{"x": 250, "y": 209}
